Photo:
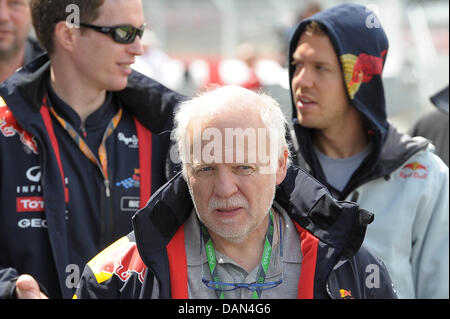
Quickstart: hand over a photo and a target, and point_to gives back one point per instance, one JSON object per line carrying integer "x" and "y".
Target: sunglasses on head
{"x": 124, "y": 34}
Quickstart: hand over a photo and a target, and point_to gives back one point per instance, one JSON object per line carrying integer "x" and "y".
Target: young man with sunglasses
{"x": 238, "y": 222}
{"x": 83, "y": 144}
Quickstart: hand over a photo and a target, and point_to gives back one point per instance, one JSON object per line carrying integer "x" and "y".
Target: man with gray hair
{"x": 238, "y": 222}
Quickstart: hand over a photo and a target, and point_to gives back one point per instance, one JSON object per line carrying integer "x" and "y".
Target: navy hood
{"x": 361, "y": 46}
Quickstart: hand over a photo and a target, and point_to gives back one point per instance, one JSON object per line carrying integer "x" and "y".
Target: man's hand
{"x": 28, "y": 288}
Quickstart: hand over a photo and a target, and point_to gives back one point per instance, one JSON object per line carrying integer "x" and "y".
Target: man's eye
{"x": 204, "y": 171}
{"x": 245, "y": 170}
{"x": 320, "y": 68}
{"x": 17, "y": 3}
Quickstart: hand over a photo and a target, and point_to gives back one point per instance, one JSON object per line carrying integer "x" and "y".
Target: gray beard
{"x": 232, "y": 237}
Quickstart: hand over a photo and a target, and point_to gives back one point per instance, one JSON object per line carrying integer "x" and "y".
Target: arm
{"x": 8, "y": 278}
{"x": 430, "y": 246}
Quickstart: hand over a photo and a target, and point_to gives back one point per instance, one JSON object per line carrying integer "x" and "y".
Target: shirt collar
{"x": 99, "y": 118}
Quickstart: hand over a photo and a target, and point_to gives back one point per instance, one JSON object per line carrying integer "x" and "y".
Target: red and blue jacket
{"x": 334, "y": 264}
{"x": 55, "y": 212}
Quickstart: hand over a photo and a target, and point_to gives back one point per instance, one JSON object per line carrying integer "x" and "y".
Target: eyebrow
{"x": 296, "y": 58}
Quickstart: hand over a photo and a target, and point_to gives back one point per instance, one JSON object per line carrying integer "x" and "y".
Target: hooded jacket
{"x": 35, "y": 162}
{"x": 401, "y": 181}
{"x": 334, "y": 264}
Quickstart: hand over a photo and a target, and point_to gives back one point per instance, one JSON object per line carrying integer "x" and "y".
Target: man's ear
{"x": 65, "y": 35}
{"x": 282, "y": 167}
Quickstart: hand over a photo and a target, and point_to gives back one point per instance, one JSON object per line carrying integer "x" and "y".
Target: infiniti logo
{"x": 34, "y": 174}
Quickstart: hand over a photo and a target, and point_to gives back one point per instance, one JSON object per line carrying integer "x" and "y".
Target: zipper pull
{"x": 83, "y": 130}
{"x": 108, "y": 191}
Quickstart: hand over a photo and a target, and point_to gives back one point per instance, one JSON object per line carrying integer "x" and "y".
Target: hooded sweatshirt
{"x": 401, "y": 180}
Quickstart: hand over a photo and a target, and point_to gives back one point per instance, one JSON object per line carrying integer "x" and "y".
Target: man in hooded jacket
{"x": 342, "y": 137}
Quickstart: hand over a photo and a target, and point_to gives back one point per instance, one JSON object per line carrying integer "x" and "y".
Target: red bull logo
{"x": 414, "y": 170}
{"x": 9, "y": 127}
{"x": 360, "y": 69}
{"x": 346, "y": 294}
{"x": 121, "y": 259}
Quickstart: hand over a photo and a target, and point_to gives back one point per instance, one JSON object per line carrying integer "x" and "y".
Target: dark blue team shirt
{"x": 103, "y": 220}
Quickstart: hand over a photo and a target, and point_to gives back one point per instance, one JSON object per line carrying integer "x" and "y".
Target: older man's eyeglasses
{"x": 124, "y": 34}
{"x": 258, "y": 286}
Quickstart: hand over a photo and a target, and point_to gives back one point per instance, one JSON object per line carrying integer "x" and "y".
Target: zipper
{"x": 107, "y": 188}
{"x": 83, "y": 131}
{"x": 107, "y": 217}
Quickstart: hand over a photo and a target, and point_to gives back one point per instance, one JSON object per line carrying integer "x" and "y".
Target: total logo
{"x": 29, "y": 204}
{"x": 414, "y": 170}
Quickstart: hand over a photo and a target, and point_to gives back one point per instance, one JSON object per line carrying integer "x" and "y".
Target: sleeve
{"x": 375, "y": 279}
{"x": 363, "y": 276}
{"x": 90, "y": 288}
{"x": 430, "y": 246}
{"x": 8, "y": 278}
{"x": 115, "y": 273}
{"x": 386, "y": 288}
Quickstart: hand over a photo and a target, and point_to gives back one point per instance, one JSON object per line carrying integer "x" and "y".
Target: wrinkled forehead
{"x": 230, "y": 138}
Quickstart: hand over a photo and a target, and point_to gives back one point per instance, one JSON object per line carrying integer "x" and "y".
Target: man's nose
{"x": 225, "y": 184}
{"x": 4, "y": 11}
{"x": 303, "y": 78}
{"x": 136, "y": 47}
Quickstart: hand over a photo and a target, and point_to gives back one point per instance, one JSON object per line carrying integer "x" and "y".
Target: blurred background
{"x": 192, "y": 44}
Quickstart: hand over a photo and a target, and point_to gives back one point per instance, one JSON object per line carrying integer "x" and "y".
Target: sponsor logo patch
{"x": 9, "y": 127}
{"x": 30, "y": 204}
{"x": 414, "y": 170}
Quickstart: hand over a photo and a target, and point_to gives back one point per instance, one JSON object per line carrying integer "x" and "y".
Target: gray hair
{"x": 225, "y": 100}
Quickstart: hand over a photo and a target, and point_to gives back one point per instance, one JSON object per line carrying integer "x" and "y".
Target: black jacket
{"x": 35, "y": 221}
{"x": 334, "y": 263}
{"x": 32, "y": 51}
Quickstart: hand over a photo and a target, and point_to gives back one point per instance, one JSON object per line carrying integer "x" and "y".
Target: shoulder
{"x": 363, "y": 276}
{"x": 425, "y": 164}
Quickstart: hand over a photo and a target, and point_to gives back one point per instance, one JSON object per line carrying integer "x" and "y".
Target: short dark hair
{"x": 47, "y": 13}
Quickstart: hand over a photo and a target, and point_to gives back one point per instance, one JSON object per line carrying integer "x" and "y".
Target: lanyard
{"x": 102, "y": 161}
{"x": 263, "y": 266}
